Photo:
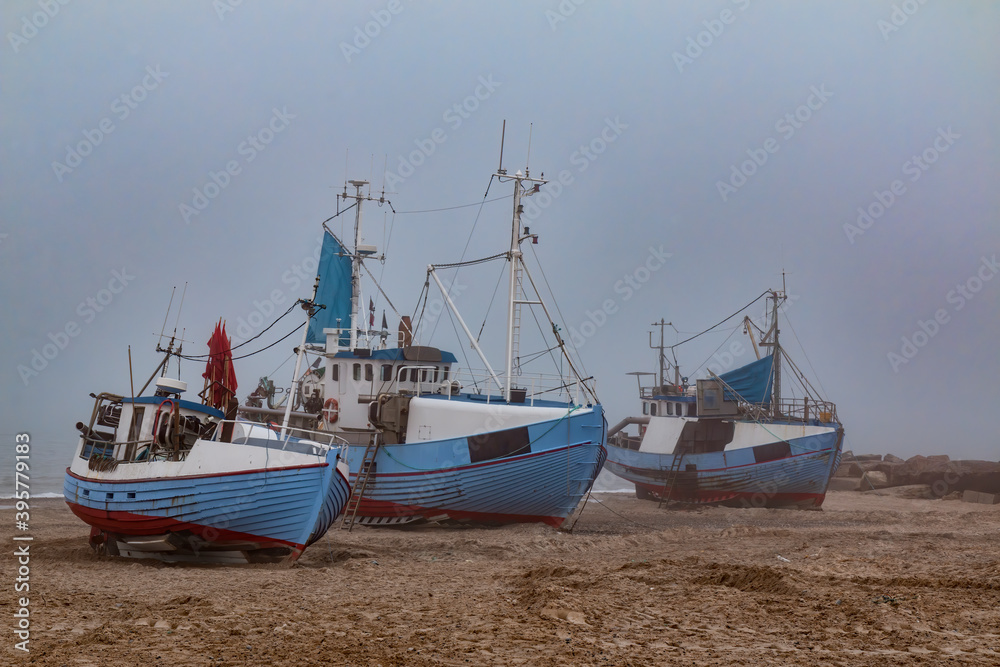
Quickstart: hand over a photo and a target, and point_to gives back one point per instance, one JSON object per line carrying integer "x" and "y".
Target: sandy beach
{"x": 869, "y": 580}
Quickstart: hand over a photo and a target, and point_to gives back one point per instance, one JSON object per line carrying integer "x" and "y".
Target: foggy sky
{"x": 741, "y": 138}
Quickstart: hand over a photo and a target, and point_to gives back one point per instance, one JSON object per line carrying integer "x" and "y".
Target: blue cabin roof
{"x": 187, "y": 405}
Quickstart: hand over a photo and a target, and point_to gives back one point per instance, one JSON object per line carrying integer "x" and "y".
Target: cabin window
{"x": 357, "y": 372}
{"x": 402, "y": 375}
{"x": 670, "y": 409}
{"x": 386, "y": 372}
{"x": 435, "y": 374}
{"x": 335, "y": 372}
{"x": 444, "y": 373}
{"x": 652, "y": 409}
{"x": 369, "y": 373}
{"x": 645, "y": 408}
{"x": 423, "y": 375}
{"x": 136, "y": 426}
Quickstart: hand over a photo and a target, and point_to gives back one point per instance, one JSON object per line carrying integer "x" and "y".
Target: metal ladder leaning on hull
{"x": 360, "y": 484}
{"x": 671, "y": 480}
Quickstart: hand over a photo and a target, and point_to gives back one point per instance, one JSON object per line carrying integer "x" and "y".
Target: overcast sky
{"x": 851, "y": 144}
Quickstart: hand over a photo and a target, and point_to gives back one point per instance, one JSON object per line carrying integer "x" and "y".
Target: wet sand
{"x": 869, "y": 580}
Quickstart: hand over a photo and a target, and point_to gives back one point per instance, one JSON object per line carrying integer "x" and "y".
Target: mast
{"x": 356, "y": 260}
{"x": 776, "y": 391}
{"x": 308, "y": 307}
{"x": 513, "y": 300}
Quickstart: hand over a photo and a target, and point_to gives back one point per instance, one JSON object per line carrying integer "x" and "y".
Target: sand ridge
{"x": 869, "y": 580}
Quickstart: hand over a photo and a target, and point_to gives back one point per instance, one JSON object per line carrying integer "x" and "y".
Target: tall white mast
{"x": 356, "y": 261}
{"x": 513, "y": 302}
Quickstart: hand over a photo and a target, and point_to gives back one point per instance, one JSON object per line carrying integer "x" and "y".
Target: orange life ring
{"x": 331, "y": 411}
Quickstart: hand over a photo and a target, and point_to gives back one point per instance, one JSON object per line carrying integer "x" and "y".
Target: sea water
{"x": 47, "y": 462}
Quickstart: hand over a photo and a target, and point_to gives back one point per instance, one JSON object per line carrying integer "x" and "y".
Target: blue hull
{"x": 438, "y": 480}
{"x": 737, "y": 477}
{"x": 276, "y": 512}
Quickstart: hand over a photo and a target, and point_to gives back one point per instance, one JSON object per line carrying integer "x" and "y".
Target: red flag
{"x": 220, "y": 377}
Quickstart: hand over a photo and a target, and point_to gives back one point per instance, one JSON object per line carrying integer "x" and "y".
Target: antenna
{"x": 166, "y": 315}
{"x": 181, "y": 306}
{"x": 503, "y": 133}
{"x": 385, "y": 167}
{"x": 528, "y": 159}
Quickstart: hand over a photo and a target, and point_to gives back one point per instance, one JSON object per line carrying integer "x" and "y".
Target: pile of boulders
{"x": 924, "y": 476}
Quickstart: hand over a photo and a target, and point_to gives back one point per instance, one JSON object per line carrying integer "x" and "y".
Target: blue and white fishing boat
{"x": 733, "y": 438}
{"x": 176, "y": 480}
{"x": 428, "y": 443}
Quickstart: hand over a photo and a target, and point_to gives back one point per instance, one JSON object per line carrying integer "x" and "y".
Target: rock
{"x": 851, "y": 469}
{"x": 868, "y": 457}
{"x": 892, "y": 458}
{"x": 981, "y": 498}
{"x": 874, "y": 479}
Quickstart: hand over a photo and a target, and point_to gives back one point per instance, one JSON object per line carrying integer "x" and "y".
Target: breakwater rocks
{"x": 930, "y": 476}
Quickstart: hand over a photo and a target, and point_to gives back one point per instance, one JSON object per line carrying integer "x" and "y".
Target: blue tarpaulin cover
{"x": 334, "y": 291}
{"x": 752, "y": 382}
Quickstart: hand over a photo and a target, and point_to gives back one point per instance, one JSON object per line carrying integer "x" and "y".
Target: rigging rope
{"x": 196, "y": 357}
{"x": 472, "y": 262}
{"x": 763, "y": 294}
{"x": 452, "y": 208}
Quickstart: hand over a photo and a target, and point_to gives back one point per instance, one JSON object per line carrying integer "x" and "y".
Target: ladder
{"x": 360, "y": 484}
{"x": 671, "y": 480}
{"x": 516, "y": 324}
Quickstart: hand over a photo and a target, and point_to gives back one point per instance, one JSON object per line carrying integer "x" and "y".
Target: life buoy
{"x": 331, "y": 411}
{"x": 162, "y": 431}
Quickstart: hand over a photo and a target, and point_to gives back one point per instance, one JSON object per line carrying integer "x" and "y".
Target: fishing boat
{"x": 732, "y": 438}
{"x": 429, "y": 443}
{"x": 179, "y": 480}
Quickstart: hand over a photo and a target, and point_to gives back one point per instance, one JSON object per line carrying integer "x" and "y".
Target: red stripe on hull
{"x": 127, "y": 523}
{"x": 380, "y": 509}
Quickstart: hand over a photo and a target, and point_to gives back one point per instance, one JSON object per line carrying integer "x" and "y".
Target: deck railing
{"x": 791, "y": 409}
{"x": 528, "y": 387}
{"x": 240, "y": 431}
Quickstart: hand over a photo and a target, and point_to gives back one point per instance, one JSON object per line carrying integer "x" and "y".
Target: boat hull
{"x": 441, "y": 480}
{"x": 268, "y": 514}
{"x": 739, "y": 476}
